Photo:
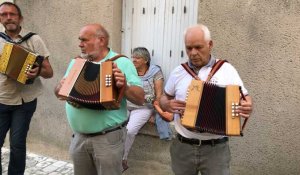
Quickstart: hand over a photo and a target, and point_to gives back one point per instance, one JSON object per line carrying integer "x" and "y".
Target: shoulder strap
{"x": 8, "y": 39}
{"x": 116, "y": 57}
{"x": 189, "y": 70}
{"x": 215, "y": 68}
{"x": 26, "y": 37}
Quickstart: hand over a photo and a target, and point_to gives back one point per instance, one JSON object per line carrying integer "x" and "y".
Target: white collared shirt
{"x": 180, "y": 79}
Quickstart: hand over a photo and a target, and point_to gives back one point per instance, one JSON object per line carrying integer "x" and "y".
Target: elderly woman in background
{"x": 152, "y": 79}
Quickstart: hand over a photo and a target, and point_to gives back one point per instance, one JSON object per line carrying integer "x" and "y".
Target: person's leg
{"x": 137, "y": 120}
{"x": 20, "y": 122}
{"x": 108, "y": 151}
{"x": 5, "y": 119}
{"x": 81, "y": 154}
{"x": 215, "y": 160}
{"x": 183, "y": 158}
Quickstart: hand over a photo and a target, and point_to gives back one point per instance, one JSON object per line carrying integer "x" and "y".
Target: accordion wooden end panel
{"x": 192, "y": 104}
{"x": 91, "y": 85}
{"x": 108, "y": 87}
{"x": 71, "y": 78}
{"x": 233, "y": 120}
{"x": 210, "y": 108}
{"x": 16, "y": 61}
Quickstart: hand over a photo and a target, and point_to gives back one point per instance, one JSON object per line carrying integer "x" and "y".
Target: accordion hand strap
{"x": 122, "y": 90}
{"x": 246, "y": 119}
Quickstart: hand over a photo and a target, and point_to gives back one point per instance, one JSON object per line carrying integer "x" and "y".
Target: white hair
{"x": 204, "y": 28}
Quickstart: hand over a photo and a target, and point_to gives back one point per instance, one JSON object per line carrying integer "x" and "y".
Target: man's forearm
{"x": 135, "y": 94}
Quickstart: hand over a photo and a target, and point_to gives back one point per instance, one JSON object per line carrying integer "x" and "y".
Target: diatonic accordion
{"x": 91, "y": 85}
{"x": 211, "y": 108}
{"x": 16, "y": 61}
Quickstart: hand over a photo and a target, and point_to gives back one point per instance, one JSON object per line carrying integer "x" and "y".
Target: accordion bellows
{"x": 91, "y": 85}
{"x": 210, "y": 108}
{"x": 16, "y": 61}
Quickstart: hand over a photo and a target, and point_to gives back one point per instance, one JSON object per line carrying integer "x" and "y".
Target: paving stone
{"x": 39, "y": 165}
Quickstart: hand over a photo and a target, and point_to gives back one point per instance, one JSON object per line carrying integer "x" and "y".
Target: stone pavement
{"x": 39, "y": 165}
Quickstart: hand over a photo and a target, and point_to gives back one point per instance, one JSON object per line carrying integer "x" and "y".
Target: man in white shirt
{"x": 193, "y": 151}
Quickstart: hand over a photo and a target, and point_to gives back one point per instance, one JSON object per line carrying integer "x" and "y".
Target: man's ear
{"x": 21, "y": 19}
{"x": 210, "y": 44}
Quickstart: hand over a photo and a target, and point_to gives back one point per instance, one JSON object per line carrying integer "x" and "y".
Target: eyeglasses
{"x": 8, "y": 14}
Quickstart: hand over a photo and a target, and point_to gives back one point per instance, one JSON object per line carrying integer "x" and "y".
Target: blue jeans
{"x": 16, "y": 118}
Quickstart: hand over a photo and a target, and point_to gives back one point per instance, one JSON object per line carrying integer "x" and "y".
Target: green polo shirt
{"x": 83, "y": 120}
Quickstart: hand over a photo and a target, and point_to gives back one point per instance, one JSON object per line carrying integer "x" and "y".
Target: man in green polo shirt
{"x": 98, "y": 142}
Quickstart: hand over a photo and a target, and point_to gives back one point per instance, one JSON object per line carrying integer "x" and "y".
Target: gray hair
{"x": 142, "y": 52}
{"x": 204, "y": 28}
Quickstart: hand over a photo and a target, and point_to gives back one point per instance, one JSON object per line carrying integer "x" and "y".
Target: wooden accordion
{"x": 210, "y": 108}
{"x": 91, "y": 85}
{"x": 16, "y": 61}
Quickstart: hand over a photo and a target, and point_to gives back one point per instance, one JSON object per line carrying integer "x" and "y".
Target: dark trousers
{"x": 16, "y": 118}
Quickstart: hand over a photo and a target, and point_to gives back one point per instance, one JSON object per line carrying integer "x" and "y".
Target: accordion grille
{"x": 87, "y": 87}
{"x": 212, "y": 114}
{"x": 212, "y": 109}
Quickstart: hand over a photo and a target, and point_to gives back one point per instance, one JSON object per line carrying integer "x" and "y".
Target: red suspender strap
{"x": 214, "y": 69}
{"x": 189, "y": 70}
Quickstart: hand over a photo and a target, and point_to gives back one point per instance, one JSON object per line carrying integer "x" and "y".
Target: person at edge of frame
{"x": 18, "y": 101}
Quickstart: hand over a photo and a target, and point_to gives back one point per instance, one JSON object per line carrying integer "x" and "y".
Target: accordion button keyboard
{"x": 108, "y": 80}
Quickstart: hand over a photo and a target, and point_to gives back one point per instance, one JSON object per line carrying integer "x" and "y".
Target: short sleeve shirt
{"x": 148, "y": 86}
{"x": 11, "y": 91}
{"x": 84, "y": 120}
{"x": 179, "y": 80}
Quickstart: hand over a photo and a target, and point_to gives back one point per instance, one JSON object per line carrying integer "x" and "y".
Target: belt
{"x": 106, "y": 131}
{"x": 197, "y": 142}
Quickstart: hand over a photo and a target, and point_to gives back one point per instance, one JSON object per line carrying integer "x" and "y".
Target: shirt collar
{"x": 22, "y": 33}
{"x": 108, "y": 56}
{"x": 211, "y": 62}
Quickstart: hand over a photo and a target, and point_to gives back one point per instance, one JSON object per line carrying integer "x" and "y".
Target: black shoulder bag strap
{"x": 8, "y": 39}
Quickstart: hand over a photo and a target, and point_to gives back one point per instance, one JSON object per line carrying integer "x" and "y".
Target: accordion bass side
{"x": 16, "y": 61}
{"x": 91, "y": 85}
{"x": 210, "y": 108}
